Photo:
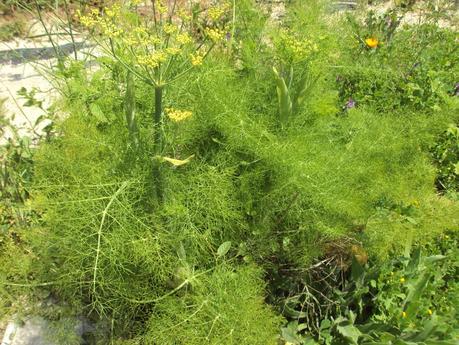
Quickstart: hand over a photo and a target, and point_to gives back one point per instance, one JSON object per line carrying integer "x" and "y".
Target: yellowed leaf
{"x": 177, "y": 162}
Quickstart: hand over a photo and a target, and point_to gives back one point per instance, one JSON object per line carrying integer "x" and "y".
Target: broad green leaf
{"x": 349, "y": 332}
{"x": 224, "y": 248}
{"x": 98, "y": 113}
{"x": 415, "y": 292}
{"x": 428, "y": 328}
{"x": 434, "y": 258}
{"x": 285, "y": 103}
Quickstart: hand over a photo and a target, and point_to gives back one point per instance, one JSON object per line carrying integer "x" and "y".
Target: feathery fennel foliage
{"x": 279, "y": 195}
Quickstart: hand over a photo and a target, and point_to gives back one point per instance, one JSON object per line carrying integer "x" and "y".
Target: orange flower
{"x": 372, "y": 42}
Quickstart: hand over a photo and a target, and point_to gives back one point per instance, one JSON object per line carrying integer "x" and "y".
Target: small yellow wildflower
{"x": 215, "y": 34}
{"x": 184, "y": 38}
{"x": 372, "y": 42}
{"x": 403, "y": 314}
{"x": 446, "y": 236}
{"x": 178, "y": 115}
{"x": 402, "y": 280}
{"x": 429, "y": 311}
{"x": 196, "y": 59}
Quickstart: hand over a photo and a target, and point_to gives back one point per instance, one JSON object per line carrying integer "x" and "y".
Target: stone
{"x": 38, "y": 331}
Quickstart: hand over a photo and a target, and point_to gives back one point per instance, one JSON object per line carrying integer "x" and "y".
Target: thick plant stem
{"x": 157, "y": 118}
{"x": 157, "y": 142}
{"x": 131, "y": 120}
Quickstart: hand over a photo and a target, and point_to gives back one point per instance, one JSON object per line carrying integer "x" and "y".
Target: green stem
{"x": 157, "y": 118}
{"x": 158, "y": 141}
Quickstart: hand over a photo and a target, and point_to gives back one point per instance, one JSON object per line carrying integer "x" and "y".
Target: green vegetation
{"x": 221, "y": 180}
{"x": 8, "y": 31}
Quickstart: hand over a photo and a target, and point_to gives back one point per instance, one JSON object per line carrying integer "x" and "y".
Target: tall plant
{"x": 293, "y": 54}
{"x": 158, "y": 45}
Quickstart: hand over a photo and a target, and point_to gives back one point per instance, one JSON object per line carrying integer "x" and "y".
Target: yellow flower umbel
{"x": 160, "y": 6}
{"x": 113, "y": 12}
{"x": 215, "y": 13}
{"x": 90, "y": 20}
{"x": 170, "y": 28}
{"x": 196, "y": 59}
{"x": 153, "y": 60}
{"x": 178, "y": 115}
{"x": 372, "y": 42}
{"x": 184, "y": 38}
{"x": 215, "y": 34}
{"x": 294, "y": 47}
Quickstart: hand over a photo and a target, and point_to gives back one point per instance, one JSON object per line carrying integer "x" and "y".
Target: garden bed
{"x": 225, "y": 176}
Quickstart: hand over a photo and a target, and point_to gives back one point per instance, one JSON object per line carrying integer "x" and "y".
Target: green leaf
{"x": 434, "y": 258}
{"x": 285, "y": 103}
{"x": 415, "y": 292}
{"x": 223, "y": 249}
{"x": 176, "y": 162}
{"x": 181, "y": 252}
{"x": 349, "y": 332}
{"x": 428, "y": 328}
{"x": 413, "y": 264}
{"x": 292, "y": 313}
{"x": 456, "y": 168}
{"x": 98, "y": 113}
{"x": 357, "y": 271}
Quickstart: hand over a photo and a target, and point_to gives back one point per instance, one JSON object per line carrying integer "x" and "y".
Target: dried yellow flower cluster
{"x": 178, "y": 115}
